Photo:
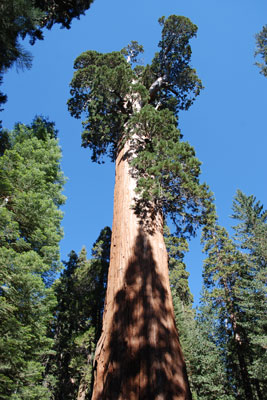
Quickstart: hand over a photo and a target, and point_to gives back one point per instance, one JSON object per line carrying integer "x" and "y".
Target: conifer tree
{"x": 181, "y": 296}
{"x": 130, "y": 113}
{"x": 209, "y": 377}
{"x": 251, "y": 237}
{"x": 30, "y": 196}
{"x": 235, "y": 279}
{"x": 223, "y": 270}
{"x": 205, "y": 367}
{"x": 80, "y": 293}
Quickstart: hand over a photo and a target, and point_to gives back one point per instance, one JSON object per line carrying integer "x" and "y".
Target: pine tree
{"x": 223, "y": 269}
{"x": 205, "y": 367}
{"x": 131, "y": 115}
{"x": 80, "y": 293}
{"x": 30, "y": 196}
{"x": 209, "y": 377}
{"x": 251, "y": 237}
{"x": 181, "y": 296}
{"x": 235, "y": 278}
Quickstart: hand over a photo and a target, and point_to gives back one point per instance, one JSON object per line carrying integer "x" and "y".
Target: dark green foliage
{"x": 99, "y": 88}
{"x": 80, "y": 293}
{"x": 235, "y": 279}
{"x": 180, "y": 83}
{"x": 251, "y": 232}
{"x": 138, "y": 105}
{"x": 21, "y": 18}
{"x": 167, "y": 172}
{"x": 251, "y": 236}
{"x": 3, "y": 99}
{"x": 30, "y": 194}
{"x": 261, "y": 50}
{"x": 27, "y": 18}
{"x": 61, "y": 11}
{"x": 18, "y": 18}
{"x": 205, "y": 367}
{"x": 176, "y": 248}
{"x": 105, "y": 88}
{"x": 132, "y": 51}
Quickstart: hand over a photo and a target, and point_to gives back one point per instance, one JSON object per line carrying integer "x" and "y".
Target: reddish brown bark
{"x": 138, "y": 355}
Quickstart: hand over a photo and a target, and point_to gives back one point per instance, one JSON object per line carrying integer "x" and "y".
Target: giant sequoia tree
{"x": 131, "y": 114}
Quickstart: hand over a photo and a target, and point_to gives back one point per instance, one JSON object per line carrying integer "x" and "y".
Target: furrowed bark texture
{"x": 138, "y": 355}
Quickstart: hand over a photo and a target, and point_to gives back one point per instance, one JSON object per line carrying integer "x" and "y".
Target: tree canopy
{"x": 122, "y": 101}
{"x": 30, "y": 196}
{"x": 26, "y": 18}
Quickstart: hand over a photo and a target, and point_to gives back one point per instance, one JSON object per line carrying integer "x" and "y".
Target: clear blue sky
{"x": 226, "y": 125}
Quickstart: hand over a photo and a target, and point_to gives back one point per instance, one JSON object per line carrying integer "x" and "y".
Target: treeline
{"x": 49, "y": 327}
{"x": 224, "y": 341}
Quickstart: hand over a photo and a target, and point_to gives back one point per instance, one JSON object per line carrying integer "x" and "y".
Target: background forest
{"x": 50, "y": 323}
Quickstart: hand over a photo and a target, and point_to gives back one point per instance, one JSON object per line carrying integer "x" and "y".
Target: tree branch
{"x": 156, "y": 86}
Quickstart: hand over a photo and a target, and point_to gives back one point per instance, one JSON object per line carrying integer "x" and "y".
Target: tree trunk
{"x": 138, "y": 355}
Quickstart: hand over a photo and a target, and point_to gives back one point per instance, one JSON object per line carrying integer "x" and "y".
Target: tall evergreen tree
{"x": 251, "y": 237}
{"x": 223, "y": 270}
{"x": 235, "y": 277}
{"x": 131, "y": 115}
{"x": 80, "y": 293}
{"x": 205, "y": 367}
{"x": 208, "y": 372}
{"x": 181, "y": 296}
{"x": 30, "y": 196}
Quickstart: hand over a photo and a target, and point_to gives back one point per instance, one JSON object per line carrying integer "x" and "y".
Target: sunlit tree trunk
{"x": 138, "y": 355}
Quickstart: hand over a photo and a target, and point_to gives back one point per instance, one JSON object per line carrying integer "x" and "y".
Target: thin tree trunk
{"x": 138, "y": 355}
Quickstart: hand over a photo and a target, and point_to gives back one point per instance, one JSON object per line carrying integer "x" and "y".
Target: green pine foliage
{"x": 251, "y": 237}
{"x": 30, "y": 196}
{"x": 167, "y": 172}
{"x": 224, "y": 341}
{"x": 27, "y": 18}
{"x": 235, "y": 283}
{"x": 181, "y": 295}
{"x": 208, "y": 372}
{"x": 204, "y": 366}
{"x": 121, "y": 101}
{"x": 261, "y": 50}
{"x": 80, "y": 293}
{"x": 176, "y": 248}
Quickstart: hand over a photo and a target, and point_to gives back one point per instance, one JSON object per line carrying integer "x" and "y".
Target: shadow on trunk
{"x": 145, "y": 359}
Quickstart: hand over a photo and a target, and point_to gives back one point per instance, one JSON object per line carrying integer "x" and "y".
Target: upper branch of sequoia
{"x": 105, "y": 86}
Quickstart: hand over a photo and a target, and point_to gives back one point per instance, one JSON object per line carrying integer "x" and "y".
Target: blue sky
{"x": 226, "y": 125}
